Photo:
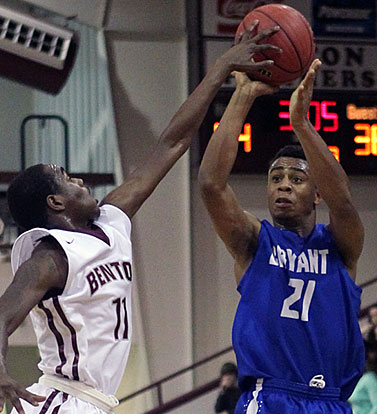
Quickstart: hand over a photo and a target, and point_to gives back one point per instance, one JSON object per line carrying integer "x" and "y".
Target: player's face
{"x": 373, "y": 315}
{"x": 79, "y": 204}
{"x": 292, "y": 194}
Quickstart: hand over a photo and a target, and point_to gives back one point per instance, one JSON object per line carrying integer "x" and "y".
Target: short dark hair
{"x": 291, "y": 150}
{"x": 27, "y": 195}
{"x": 229, "y": 368}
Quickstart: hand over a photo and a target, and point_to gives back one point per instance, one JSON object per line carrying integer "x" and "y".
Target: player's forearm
{"x": 222, "y": 148}
{"x": 186, "y": 122}
{"x": 3, "y": 346}
{"x": 328, "y": 174}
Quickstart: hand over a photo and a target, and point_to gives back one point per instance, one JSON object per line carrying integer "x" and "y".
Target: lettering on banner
{"x": 347, "y": 67}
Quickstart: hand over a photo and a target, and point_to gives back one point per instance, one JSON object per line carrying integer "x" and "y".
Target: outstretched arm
{"x": 329, "y": 176}
{"x": 238, "y": 229}
{"x": 177, "y": 137}
{"x": 45, "y": 270}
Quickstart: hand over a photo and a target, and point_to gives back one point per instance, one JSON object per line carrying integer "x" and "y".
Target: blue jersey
{"x": 297, "y": 319}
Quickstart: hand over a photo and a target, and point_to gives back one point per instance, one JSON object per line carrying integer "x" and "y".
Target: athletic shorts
{"x": 57, "y": 402}
{"x": 272, "y": 400}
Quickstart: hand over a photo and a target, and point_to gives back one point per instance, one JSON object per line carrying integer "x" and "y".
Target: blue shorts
{"x": 282, "y": 397}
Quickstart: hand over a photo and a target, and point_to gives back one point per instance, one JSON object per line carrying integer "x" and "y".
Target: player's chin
{"x": 280, "y": 213}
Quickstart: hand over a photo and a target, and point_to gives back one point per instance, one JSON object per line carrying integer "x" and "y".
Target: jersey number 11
{"x": 119, "y": 304}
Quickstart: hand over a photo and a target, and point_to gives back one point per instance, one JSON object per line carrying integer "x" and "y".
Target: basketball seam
{"x": 312, "y": 45}
{"x": 292, "y": 43}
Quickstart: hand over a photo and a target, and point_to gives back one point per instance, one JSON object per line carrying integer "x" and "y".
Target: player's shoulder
{"x": 114, "y": 216}
{"x": 47, "y": 244}
{"x": 27, "y": 243}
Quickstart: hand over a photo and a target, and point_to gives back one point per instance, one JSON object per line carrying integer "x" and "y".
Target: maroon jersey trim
{"x": 57, "y": 408}
{"x": 48, "y": 402}
{"x": 58, "y": 337}
{"x": 75, "y": 370}
{"x": 97, "y": 232}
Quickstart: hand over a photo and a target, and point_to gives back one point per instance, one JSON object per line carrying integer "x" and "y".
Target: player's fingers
{"x": 241, "y": 78}
{"x": 310, "y": 78}
{"x": 312, "y": 72}
{"x": 250, "y": 31}
{"x": 316, "y": 64}
{"x": 31, "y": 398}
{"x": 267, "y": 46}
{"x": 261, "y": 64}
{"x": 274, "y": 89}
{"x": 247, "y": 34}
{"x": 264, "y": 34}
{"x": 39, "y": 398}
{"x": 17, "y": 405}
{"x": 300, "y": 91}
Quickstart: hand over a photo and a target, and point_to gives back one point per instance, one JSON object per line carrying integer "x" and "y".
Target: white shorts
{"x": 57, "y": 402}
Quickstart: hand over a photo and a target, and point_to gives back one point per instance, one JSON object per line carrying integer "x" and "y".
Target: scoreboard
{"x": 344, "y": 105}
{"x": 346, "y": 121}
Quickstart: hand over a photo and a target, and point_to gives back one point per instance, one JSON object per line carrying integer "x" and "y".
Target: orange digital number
{"x": 369, "y": 139}
{"x": 244, "y": 137}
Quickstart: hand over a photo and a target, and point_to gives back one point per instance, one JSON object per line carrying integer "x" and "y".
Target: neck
{"x": 64, "y": 222}
{"x": 303, "y": 226}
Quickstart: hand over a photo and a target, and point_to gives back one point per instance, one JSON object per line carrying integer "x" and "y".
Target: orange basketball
{"x": 295, "y": 38}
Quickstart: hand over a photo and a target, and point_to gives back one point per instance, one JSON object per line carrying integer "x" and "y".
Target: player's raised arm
{"x": 329, "y": 176}
{"x": 46, "y": 269}
{"x": 177, "y": 137}
{"x": 238, "y": 229}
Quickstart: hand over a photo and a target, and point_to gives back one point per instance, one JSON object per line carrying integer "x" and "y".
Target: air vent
{"x": 33, "y": 39}
{"x": 24, "y": 38}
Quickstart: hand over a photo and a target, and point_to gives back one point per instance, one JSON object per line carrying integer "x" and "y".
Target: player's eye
{"x": 297, "y": 179}
{"x": 275, "y": 178}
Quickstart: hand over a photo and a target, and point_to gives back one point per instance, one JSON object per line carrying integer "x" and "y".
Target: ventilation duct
{"x": 35, "y": 53}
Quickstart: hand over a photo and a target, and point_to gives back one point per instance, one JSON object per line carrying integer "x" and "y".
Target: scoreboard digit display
{"x": 347, "y": 123}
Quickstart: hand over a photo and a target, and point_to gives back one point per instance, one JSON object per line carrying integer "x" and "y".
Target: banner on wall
{"x": 345, "y": 33}
{"x": 221, "y": 17}
{"x": 345, "y": 66}
{"x": 344, "y": 18}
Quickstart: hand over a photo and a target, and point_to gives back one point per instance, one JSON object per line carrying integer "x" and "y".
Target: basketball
{"x": 295, "y": 38}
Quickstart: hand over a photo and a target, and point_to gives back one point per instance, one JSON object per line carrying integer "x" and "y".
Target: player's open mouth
{"x": 282, "y": 202}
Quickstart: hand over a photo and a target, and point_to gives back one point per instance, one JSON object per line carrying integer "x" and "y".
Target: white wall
{"x": 16, "y": 102}
{"x": 148, "y": 65}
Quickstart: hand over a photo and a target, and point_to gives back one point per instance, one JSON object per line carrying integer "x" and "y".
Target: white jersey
{"x": 85, "y": 333}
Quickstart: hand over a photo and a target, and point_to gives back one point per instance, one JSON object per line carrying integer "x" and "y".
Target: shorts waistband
{"x": 303, "y": 390}
{"x": 81, "y": 391}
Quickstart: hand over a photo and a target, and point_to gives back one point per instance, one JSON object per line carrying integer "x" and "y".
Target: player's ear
{"x": 55, "y": 202}
{"x": 317, "y": 198}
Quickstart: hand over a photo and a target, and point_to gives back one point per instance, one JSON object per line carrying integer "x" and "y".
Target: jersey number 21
{"x": 298, "y": 285}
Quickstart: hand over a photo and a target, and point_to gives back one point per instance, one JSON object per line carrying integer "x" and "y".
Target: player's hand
{"x": 252, "y": 87}
{"x": 13, "y": 391}
{"x": 302, "y": 96}
{"x": 240, "y": 56}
